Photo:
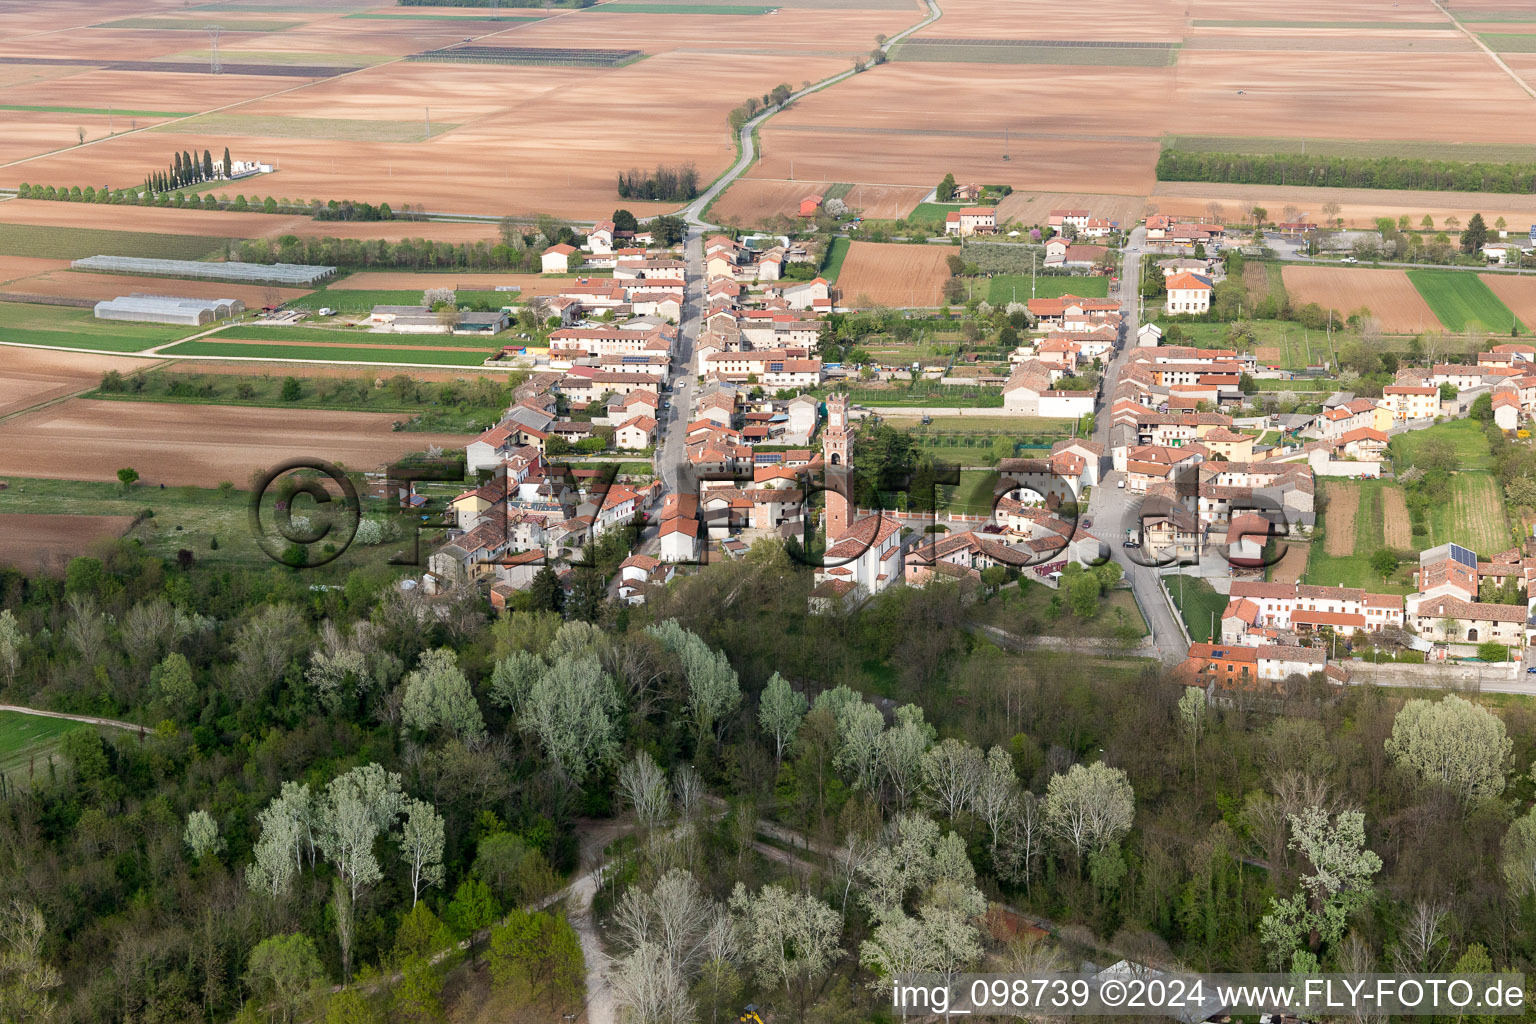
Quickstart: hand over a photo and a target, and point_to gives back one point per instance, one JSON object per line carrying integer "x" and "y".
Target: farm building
{"x": 168, "y": 309}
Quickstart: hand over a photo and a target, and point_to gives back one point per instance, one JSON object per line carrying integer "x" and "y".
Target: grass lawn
{"x": 1460, "y": 300}
{"x": 338, "y": 334}
{"x": 28, "y": 743}
{"x": 973, "y": 496}
{"x": 1199, "y": 605}
{"x": 1295, "y": 348}
{"x": 1006, "y": 288}
{"x": 1015, "y": 608}
{"x": 1466, "y": 437}
{"x": 26, "y": 323}
{"x": 837, "y": 252}
{"x": 51, "y": 242}
{"x": 1021, "y": 427}
{"x": 1474, "y": 517}
{"x": 932, "y": 213}
{"x": 328, "y": 353}
{"x": 362, "y": 300}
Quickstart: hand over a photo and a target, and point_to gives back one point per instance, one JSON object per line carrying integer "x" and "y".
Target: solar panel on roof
{"x": 1463, "y": 556}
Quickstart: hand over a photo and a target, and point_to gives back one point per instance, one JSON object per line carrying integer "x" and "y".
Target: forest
{"x": 1345, "y": 172}
{"x": 358, "y": 804}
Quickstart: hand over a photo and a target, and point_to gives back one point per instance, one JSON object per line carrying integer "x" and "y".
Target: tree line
{"x": 1387, "y": 172}
{"x": 752, "y": 105}
{"x": 669, "y": 183}
{"x": 186, "y": 169}
{"x": 316, "y": 209}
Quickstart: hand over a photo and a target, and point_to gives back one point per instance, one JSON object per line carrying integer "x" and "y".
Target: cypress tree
{"x": 176, "y": 169}
{"x": 228, "y": 167}
{"x": 207, "y": 166}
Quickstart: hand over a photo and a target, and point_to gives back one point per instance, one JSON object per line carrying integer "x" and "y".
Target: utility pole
{"x": 429, "y": 120}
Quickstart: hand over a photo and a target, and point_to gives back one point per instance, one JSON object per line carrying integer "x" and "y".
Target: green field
{"x": 359, "y": 337}
{"x": 362, "y": 300}
{"x": 1492, "y": 16}
{"x": 1489, "y": 152}
{"x": 338, "y": 353}
{"x": 28, "y": 743}
{"x": 1462, "y": 300}
{"x": 932, "y": 213}
{"x": 451, "y": 408}
{"x": 986, "y": 52}
{"x": 337, "y": 129}
{"x": 95, "y": 110}
{"x": 188, "y": 25}
{"x": 71, "y": 327}
{"x": 77, "y": 243}
{"x": 1466, "y": 438}
{"x": 1509, "y": 42}
{"x": 837, "y": 252}
{"x": 1199, "y": 605}
{"x": 1006, "y": 288}
{"x": 1354, "y": 570}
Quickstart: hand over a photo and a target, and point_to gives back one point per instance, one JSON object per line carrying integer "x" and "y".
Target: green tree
{"x": 281, "y": 970}
{"x": 292, "y": 389}
{"x": 623, "y": 220}
{"x": 127, "y": 476}
{"x": 546, "y": 594}
{"x": 1384, "y": 562}
{"x": 26, "y": 976}
{"x": 421, "y": 934}
{"x": 437, "y": 695}
{"x": 418, "y": 997}
{"x": 946, "y": 189}
{"x": 1475, "y": 236}
{"x": 472, "y": 908}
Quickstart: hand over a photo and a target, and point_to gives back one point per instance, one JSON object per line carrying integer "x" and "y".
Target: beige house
{"x": 636, "y": 433}
{"x": 557, "y": 259}
{"x": 1189, "y": 293}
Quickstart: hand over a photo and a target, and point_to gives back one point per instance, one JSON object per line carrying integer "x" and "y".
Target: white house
{"x": 636, "y": 433}
{"x": 972, "y": 220}
{"x": 557, "y": 258}
{"x": 1189, "y": 293}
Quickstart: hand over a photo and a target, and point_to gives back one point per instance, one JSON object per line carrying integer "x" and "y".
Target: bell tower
{"x": 836, "y": 450}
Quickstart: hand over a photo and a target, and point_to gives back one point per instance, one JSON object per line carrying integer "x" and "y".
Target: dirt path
{"x": 111, "y": 723}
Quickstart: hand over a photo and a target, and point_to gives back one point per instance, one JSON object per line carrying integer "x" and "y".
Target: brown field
{"x": 1396, "y": 528}
{"x": 532, "y": 284}
{"x": 30, "y": 376}
{"x": 753, "y": 201}
{"x": 1292, "y": 564}
{"x": 1517, "y": 291}
{"x": 1035, "y": 207}
{"x": 1343, "y": 506}
{"x": 83, "y": 439}
{"x": 1256, "y": 282}
{"x": 43, "y": 543}
{"x": 1360, "y": 207}
{"x": 894, "y": 275}
{"x": 529, "y": 139}
{"x": 1141, "y": 20}
{"x": 14, "y": 268}
{"x": 75, "y": 284}
{"x": 885, "y": 202}
{"x": 1389, "y": 295}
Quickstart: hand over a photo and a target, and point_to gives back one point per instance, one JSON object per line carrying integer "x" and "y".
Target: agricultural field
{"x": 894, "y": 275}
{"x": 73, "y": 327}
{"x": 70, "y": 243}
{"x": 1035, "y": 207}
{"x": 837, "y": 254}
{"x": 355, "y": 300}
{"x": 1463, "y": 301}
{"x": 45, "y": 543}
{"x": 1390, "y": 295}
{"x": 30, "y": 744}
{"x": 392, "y": 354}
{"x": 1005, "y": 288}
{"x": 30, "y": 377}
{"x": 417, "y": 281}
{"x": 79, "y": 284}
{"x": 333, "y": 129}
{"x": 751, "y": 202}
{"x": 197, "y": 445}
{"x": 1357, "y": 520}
{"x": 1359, "y": 207}
{"x": 1036, "y": 51}
{"x": 1517, "y": 292}
{"x": 540, "y": 56}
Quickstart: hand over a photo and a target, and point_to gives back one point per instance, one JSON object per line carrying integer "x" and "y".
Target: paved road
{"x": 1110, "y": 508}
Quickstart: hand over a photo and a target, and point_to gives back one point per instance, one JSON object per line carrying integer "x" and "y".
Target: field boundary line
{"x": 1492, "y": 55}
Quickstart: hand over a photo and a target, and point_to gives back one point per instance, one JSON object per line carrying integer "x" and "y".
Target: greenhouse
{"x": 168, "y": 309}
{"x": 292, "y": 274}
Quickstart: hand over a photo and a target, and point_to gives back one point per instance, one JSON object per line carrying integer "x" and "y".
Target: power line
{"x": 214, "y": 67}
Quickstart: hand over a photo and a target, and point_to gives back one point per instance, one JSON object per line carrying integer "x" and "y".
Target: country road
{"x": 110, "y": 723}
